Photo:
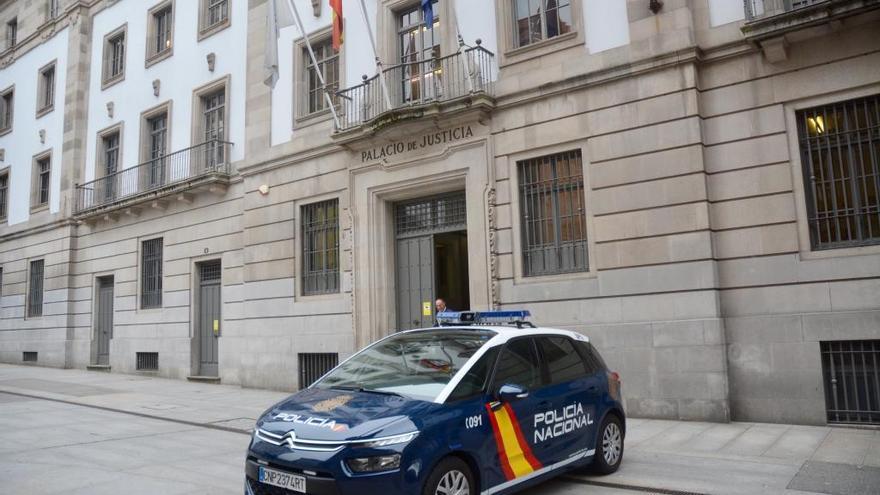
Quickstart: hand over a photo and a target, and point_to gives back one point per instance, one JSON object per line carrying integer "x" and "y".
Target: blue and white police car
{"x": 485, "y": 404}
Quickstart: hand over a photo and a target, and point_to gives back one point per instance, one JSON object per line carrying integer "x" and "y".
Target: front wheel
{"x": 451, "y": 477}
{"x": 609, "y": 451}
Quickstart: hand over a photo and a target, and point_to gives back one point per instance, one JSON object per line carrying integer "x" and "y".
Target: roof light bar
{"x": 516, "y": 317}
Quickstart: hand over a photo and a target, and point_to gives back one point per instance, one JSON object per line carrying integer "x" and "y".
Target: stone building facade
{"x": 693, "y": 185}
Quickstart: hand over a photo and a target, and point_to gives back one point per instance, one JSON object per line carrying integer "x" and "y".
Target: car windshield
{"x": 415, "y": 364}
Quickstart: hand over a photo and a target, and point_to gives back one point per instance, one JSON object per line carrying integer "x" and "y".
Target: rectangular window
{"x": 537, "y": 20}
{"x": 146, "y": 361}
{"x": 840, "y": 155}
{"x": 157, "y": 127}
{"x": 42, "y": 174}
{"x": 320, "y": 247}
{"x": 554, "y": 231}
{"x": 114, "y": 56}
{"x": 4, "y": 195}
{"x": 35, "y": 289}
{"x": 7, "y": 100}
{"x": 161, "y": 31}
{"x": 151, "y": 274}
{"x": 214, "y": 126}
{"x": 52, "y": 10}
{"x": 46, "y": 89}
{"x": 11, "y": 33}
{"x": 851, "y": 373}
{"x": 214, "y": 15}
{"x": 328, "y": 64}
{"x": 419, "y": 51}
{"x": 315, "y": 365}
{"x": 110, "y": 165}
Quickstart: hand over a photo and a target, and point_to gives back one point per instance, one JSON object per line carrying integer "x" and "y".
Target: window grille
{"x": 209, "y": 271}
{"x": 315, "y": 365}
{"x": 328, "y": 64}
{"x": 29, "y": 356}
{"x": 320, "y": 246}
{"x": 35, "y": 289}
{"x": 851, "y": 371}
{"x": 840, "y": 151}
{"x": 147, "y": 361}
{"x": 162, "y": 26}
{"x": 4, "y": 195}
{"x": 428, "y": 216}
{"x": 151, "y": 276}
{"x": 537, "y": 20}
{"x": 554, "y": 232}
{"x": 47, "y": 88}
{"x": 216, "y": 12}
{"x": 6, "y": 106}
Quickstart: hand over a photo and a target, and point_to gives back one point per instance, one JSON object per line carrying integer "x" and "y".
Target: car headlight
{"x": 386, "y": 441}
{"x": 374, "y": 464}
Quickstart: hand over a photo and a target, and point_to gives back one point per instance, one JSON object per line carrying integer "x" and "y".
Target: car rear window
{"x": 563, "y": 362}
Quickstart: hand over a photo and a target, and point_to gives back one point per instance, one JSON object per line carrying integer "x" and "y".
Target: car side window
{"x": 592, "y": 360}
{"x": 563, "y": 362}
{"x": 518, "y": 365}
{"x": 474, "y": 381}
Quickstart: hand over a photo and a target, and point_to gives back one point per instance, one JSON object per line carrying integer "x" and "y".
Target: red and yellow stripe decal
{"x": 513, "y": 451}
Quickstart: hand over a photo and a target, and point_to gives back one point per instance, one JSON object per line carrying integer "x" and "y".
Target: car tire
{"x": 609, "y": 446}
{"x": 451, "y": 476}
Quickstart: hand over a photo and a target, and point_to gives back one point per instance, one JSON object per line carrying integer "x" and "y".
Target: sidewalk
{"x": 734, "y": 458}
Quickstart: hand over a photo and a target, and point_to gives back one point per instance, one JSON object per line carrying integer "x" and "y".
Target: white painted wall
{"x": 725, "y": 11}
{"x": 606, "y": 23}
{"x": 475, "y": 20}
{"x": 180, "y": 74}
{"x": 24, "y": 141}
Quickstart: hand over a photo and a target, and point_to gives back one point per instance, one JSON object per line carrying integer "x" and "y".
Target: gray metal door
{"x": 208, "y": 322}
{"x": 104, "y": 320}
{"x": 415, "y": 282}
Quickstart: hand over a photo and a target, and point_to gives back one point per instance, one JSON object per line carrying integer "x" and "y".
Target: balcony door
{"x": 155, "y": 170}
{"x": 214, "y": 125}
{"x": 419, "y": 51}
{"x": 111, "y": 166}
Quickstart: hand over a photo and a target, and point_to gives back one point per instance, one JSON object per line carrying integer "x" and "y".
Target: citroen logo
{"x": 291, "y": 438}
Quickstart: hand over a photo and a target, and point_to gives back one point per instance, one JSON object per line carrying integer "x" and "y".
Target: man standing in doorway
{"x": 439, "y": 307}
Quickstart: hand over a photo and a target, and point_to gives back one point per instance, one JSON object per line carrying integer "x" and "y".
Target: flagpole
{"x": 376, "y": 54}
{"x": 314, "y": 62}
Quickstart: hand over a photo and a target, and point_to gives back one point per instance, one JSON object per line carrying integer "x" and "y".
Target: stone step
{"x": 204, "y": 379}
{"x": 99, "y": 367}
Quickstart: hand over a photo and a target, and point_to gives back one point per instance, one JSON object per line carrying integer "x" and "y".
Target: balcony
{"x": 412, "y": 90}
{"x": 206, "y": 164}
{"x": 770, "y": 23}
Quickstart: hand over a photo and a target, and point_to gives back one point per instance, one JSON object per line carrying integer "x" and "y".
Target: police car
{"x": 485, "y": 404}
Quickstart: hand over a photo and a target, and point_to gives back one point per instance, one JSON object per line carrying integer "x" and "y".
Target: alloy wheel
{"x": 453, "y": 482}
{"x": 611, "y": 443}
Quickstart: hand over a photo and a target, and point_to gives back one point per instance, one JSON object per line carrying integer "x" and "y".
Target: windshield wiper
{"x": 367, "y": 390}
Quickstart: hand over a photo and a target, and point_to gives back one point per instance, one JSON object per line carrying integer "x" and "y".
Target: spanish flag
{"x": 514, "y": 451}
{"x": 336, "y": 7}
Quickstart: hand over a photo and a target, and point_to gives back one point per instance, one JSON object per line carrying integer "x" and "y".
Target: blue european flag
{"x": 428, "y": 13}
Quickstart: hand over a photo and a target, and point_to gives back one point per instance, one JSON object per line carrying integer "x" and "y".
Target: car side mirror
{"x": 510, "y": 392}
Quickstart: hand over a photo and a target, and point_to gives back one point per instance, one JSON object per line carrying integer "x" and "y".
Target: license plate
{"x": 284, "y": 480}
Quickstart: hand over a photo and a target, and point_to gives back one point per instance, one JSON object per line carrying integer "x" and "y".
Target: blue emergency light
{"x": 514, "y": 317}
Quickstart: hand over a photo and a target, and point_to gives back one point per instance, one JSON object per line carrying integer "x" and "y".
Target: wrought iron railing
{"x": 757, "y": 9}
{"x": 210, "y": 157}
{"x": 466, "y": 72}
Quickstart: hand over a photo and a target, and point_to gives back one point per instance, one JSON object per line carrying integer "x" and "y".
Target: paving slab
{"x": 845, "y": 446}
{"x": 837, "y": 479}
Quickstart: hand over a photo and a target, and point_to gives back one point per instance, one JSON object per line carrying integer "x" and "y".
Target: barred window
{"x": 554, "y": 232}
{"x": 840, "y": 151}
{"x": 151, "y": 274}
{"x": 320, "y": 247}
{"x": 4, "y": 194}
{"x": 328, "y": 64}
{"x": 35, "y": 289}
{"x": 537, "y": 20}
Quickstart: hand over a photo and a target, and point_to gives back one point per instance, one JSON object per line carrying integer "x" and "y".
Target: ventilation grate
{"x": 315, "y": 365}
{"x": 851, "y": 371}
{"x": 29, "y": 356}
{"x": 147, "y": 361}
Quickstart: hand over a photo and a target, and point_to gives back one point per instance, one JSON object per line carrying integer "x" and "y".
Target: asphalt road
{"x": 48, "y": 447}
